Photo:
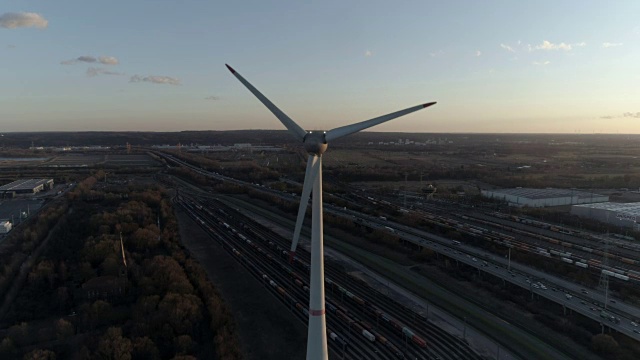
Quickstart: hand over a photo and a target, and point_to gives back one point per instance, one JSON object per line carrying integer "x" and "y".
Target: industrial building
{"x": 619, "y": 214}
{"x": 26, "y": 186}
{"x": 5, "y": 226}
{"x": 544, "y": 197}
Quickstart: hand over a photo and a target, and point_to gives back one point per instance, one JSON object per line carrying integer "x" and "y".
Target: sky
{"x": 492, "y": 66}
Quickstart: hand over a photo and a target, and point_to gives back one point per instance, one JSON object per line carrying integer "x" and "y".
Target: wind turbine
{"x": 316, "y": 142}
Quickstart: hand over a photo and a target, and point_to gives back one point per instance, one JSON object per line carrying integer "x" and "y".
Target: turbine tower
{"x": 316, "y": 142}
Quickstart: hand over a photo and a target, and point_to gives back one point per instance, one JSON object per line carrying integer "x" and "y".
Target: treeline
{"x": 20, "y": 243}
{"x": 84, "y": 300}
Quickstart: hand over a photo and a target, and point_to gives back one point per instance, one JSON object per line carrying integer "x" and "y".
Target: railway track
{"x": 352, "y": 306}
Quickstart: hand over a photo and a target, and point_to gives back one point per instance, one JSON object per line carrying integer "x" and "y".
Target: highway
{"x": 519, "y": 275}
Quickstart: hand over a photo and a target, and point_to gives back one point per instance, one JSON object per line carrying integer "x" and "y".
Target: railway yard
{"x": 397, "y": 334}
{"x": 490, "y": 272}
{"x": 361, "y": 322}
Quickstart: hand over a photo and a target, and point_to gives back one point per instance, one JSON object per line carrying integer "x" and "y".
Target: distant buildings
{"x": 619, "y": 214}
{"x": 414, "y": 143}
{"x": 220, "y": 148}
{"x": 544, "y": 197}
{"x": 25, "y": 186}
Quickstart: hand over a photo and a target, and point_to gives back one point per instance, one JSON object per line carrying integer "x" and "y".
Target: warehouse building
{"x": 27, "y": 186}
{"x": 544, "y": 197}
{"x": 5, "y": 226}
{"x": 618, "y": 214}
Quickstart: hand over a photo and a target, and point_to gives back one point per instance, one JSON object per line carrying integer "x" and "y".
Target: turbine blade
{"x": 309, "y": 177}
{"x": 293, "y": 128}
{"x": 353, "y": 128}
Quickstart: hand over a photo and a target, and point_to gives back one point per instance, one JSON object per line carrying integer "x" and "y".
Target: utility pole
{"x": 405, "y": 189}
{"x": 464, "y": 331}
{"x": 604, "y": 278}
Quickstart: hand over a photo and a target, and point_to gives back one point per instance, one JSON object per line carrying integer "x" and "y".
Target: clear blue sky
{"x": 493, "y": 66}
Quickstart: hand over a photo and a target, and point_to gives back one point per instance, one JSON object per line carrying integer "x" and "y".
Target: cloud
{"x": 155, "y": 79}
{"x": 436, "y": 53}
{"x": 105, "y": 60}
{"x": 547, "y": 45}
{"x": 91, "y": 72}
{"x": 541, "y": 62}
{"x": 212, "y": 98}
{"x": 368, "y": 53}
{"x": 108, "y": 60}
{"x": 635, "y": 115}
{"x": 478, "y": 53}
{"x": 608, "y": 44}
{"x": 507, "y": 47}
{"x": 11, "y": 46}
{"x": 23, "y": 19}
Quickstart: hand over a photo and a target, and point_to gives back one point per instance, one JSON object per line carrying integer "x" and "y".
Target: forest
{"x": 91, "y": 296}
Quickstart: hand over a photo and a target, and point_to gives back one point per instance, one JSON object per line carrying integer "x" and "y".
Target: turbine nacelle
{"x": 315, "y": 142}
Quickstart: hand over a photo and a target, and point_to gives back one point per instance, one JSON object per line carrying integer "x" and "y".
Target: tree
{"x": 604, "y": 344}
{"x": 7, "y": 348}
{"x": 183, "y": 344}
{"x": 40, "y": 354}
{"x": 19, "y": 333}
{"x": 145, "y": 348}
{"x": 182, "y": 312}
{"x": 64, "y": 329}
{"x": 99, "y": 313}
{"x": 113, "y": 346}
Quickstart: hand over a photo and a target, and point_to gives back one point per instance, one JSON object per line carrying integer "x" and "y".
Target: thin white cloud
{"x": 541, "y": 62}
{"x": 23, "y": 19}
{"x": 478, "y": 53}
{"x": 91, "y": 72}
{"x": 105, "y": 60}
{"x": 108, "y": 60}
{"x": 635, "y": 115}
{"x": 212, "y": 98}
{"x": 507, "y": 47}
{"x": 155, "y": 79}
{"x": 436, "y": 53}
{"x": 608, "y": 44}
{"x": 547, "y": 45}
{"x": 368, "y": 53}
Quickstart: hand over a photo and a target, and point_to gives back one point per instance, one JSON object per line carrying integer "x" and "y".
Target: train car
{"x": 582, "y": 265}
{"x": 633, "y": 272}
{"x": 358, "y": 300}
{"x": 628, "y": 261}
{"x": 610, "y": 273}
{"x": 338, "y": 339}
{"x": 634, "y": 277}
{"x": 621, "y": 277}
{"x": 368, "y": 335}
{"x": 569, "y": 261}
